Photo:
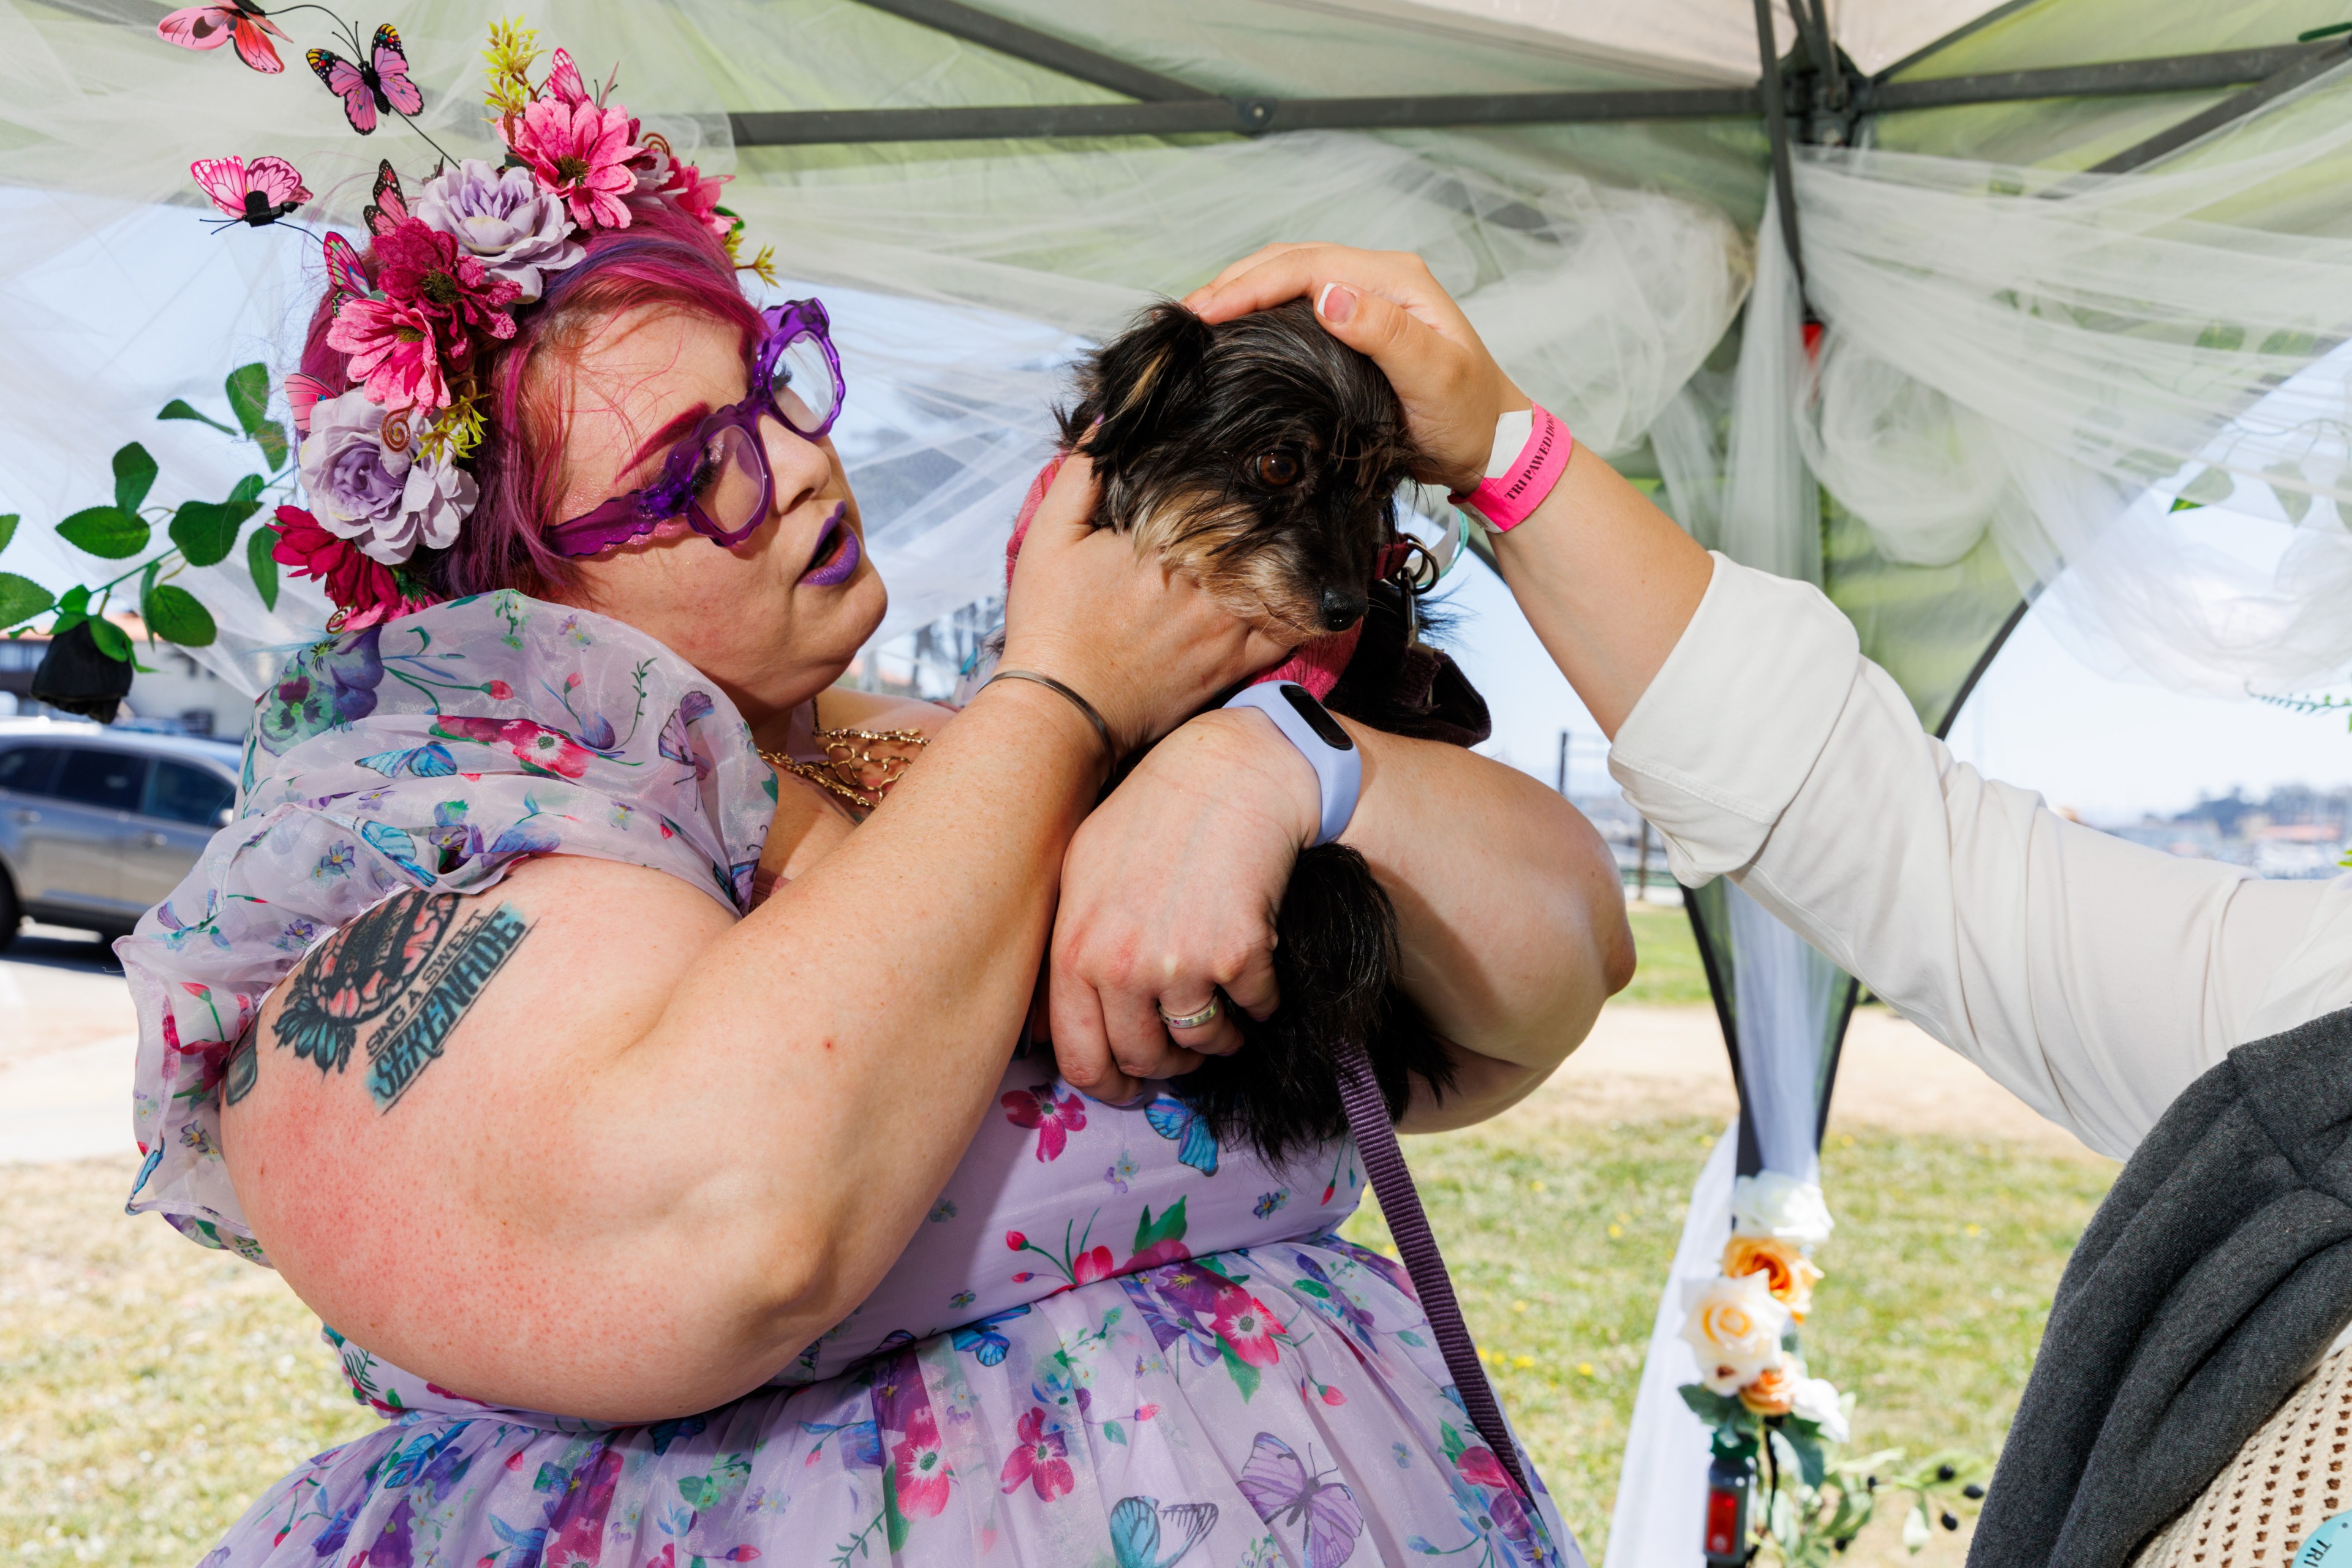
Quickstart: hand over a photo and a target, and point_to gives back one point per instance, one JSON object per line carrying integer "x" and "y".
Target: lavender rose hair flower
{"x": 387, "y": 502}
{"x": 503, "y": 218}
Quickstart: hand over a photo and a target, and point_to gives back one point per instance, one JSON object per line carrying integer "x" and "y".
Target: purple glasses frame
{"x": 640, "y": 511}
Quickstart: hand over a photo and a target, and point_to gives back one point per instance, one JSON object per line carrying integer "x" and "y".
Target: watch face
{"x": 1318, "y": 718}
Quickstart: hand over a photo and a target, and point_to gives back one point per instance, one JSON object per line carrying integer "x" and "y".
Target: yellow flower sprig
{"x": 514, "y": 49}
{"x": 453, "y": 433}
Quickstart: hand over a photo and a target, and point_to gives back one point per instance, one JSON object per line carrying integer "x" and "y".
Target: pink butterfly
{"x": 257, "y": 193}
{"x": 387, "y": 206}
{"x": 208, "y": 26}
{"x": 380, "y": 85}
{"x": 346, "y": 274}
{"x": 304, "y": 393}
{"x": 1277, "y": 1482}
{"x": 1053, "y": 1118}
{"x": 563, "y": 79}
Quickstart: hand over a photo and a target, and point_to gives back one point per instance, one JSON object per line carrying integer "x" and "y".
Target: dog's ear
{"x": 1132, "y": 384}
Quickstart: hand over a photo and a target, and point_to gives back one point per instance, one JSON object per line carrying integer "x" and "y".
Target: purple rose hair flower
{"x": 503, "y": 219}
{"x": 382, "y": 496}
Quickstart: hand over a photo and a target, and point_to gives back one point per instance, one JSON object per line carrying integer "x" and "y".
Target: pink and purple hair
{"x": 666, "y": 256}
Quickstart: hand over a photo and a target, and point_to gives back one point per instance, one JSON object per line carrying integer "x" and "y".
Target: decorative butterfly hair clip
{"x": 258, "y": 193}
{"x": 241, "y": 22}
{"x": 376, "y": 83}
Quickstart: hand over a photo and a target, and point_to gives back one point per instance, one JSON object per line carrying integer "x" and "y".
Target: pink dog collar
{"x": 1504, "y": 501}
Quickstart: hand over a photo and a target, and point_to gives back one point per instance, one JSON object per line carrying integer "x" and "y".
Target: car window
{"x": 180, "y": 792}
{"x": 109, "y": 779}
{"x": 27, "y": 770}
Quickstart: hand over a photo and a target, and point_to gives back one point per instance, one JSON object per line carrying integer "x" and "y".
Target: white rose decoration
{"x": 1817, "y": 1401}
{"x": 1782, "y": 1207}
{"x": 1734, "y": 1327}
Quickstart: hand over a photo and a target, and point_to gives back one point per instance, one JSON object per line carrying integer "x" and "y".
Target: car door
{"x": 186, "y": 803}
{"x": 85, "y": 831}
{"x": 26, "y": 775}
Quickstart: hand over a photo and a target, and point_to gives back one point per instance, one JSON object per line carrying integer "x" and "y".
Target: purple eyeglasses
{"x": 719, "y": 479}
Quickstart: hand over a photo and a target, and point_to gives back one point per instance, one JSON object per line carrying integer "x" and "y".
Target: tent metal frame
{"x": 1163, "y": 106}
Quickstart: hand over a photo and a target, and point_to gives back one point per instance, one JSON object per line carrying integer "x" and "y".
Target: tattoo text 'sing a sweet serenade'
{"x": 402, "y": 974}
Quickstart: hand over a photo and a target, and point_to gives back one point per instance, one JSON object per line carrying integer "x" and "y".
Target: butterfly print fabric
{"x": 1102, "y": 1347}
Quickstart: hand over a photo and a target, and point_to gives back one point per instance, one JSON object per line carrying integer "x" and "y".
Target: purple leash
{"x": 1376, "y": 1142}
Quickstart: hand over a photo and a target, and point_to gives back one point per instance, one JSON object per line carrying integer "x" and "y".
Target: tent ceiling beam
{"x": 1263, "y": 116}
{"x": 2320, "y": 60}
{"x": 978, "y": 27}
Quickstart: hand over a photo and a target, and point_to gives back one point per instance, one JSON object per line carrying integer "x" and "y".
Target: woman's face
{"x": 766, "y": 619}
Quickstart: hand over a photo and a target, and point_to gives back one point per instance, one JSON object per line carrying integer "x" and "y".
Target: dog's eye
{"x": 1275, "y": 468}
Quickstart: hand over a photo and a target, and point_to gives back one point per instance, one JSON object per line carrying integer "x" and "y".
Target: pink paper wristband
{"x": 1505, "y": 502}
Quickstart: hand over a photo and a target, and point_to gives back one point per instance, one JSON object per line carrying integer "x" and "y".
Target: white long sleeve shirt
{"x": 2093, "y": 978}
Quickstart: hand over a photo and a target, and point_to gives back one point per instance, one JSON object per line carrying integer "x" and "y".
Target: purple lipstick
{"x": 833, "y": 572}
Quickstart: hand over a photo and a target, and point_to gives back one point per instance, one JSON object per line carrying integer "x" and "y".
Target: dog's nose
{"x": 1341, "y": 609}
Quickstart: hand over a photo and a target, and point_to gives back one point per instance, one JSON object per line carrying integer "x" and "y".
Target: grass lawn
{"x": 1667, "y": 970}
{"x": 148, "y": 1389}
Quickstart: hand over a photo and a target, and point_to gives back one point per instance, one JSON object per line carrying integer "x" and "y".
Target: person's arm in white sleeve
{"x": 2092, "y": 977}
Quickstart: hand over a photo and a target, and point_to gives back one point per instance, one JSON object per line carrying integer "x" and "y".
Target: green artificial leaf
{"x": 248, "y": 395}
{"x": 1810, "y": 1462}
{"x": 271, "y": 436}
{"x": 175, "y": 615}
{"x": 8, "y": 520}
{"x": 2227, "y": 336}
{"x": 134, "y": 476}
{"x": 112, "y": 640}
{"x": 264, "y": 567}
{"x": 246, "y": 491}
{"x": 106, "y": 530}
{"x": 2287, "y": 482}
{"x": 21, "y": 599}
{"x": 205, "y": 531}
{"x": 1715, "y": 1410}
{"x": 179, "y": 408}
{"x": 76, "y": 601}
{"x": 2210, "y": 488}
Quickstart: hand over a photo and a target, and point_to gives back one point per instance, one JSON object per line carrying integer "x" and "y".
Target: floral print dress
{"x": 1113, "y": 1342}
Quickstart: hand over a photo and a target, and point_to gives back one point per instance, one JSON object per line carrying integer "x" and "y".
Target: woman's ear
{"x": 1132, "y": 386}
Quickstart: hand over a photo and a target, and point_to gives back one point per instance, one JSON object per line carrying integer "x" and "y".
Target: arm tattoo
{"x": 404, "y": 974}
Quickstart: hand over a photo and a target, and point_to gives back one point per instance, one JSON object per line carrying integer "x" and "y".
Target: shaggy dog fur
{"x": 1263, "y": 456}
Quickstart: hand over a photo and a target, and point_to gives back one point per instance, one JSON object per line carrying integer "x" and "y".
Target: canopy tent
{"x": 2067, "y": 261}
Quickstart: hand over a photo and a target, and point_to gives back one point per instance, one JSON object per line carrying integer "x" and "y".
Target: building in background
{"x": 173, "y": 694}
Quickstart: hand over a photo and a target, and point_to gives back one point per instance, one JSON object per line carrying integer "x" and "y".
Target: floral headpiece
{"x": 384, "y": 460}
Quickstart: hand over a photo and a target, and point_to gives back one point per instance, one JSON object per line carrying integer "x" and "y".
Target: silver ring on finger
{"x": 1205, "y": 1013}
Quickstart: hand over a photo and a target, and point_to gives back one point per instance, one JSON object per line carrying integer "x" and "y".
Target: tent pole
{"x": 1009, "y": 37}
{"x": 2322, "y": 59}
{"x": 1776, "y": 126}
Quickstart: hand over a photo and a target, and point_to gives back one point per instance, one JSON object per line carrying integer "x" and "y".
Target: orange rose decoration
{"x": 1774, "y": 1392}
{"x": 1788, "y": 1273}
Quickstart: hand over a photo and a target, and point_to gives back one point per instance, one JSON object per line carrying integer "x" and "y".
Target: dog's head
{"x": 1261, "y": 457}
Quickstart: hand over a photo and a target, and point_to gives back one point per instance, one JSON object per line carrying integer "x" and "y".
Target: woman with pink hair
{"x": 611, "y": 1027}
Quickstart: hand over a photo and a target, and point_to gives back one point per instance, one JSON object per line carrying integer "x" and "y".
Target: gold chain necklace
{"x": 851, "y": 769}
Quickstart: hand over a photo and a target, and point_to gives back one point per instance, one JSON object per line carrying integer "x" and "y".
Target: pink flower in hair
{"x": 580, "y": 153}
{"x": 698, "y": 192}
{"x": 394, "y": 353}
{"x": 417, "y": 265}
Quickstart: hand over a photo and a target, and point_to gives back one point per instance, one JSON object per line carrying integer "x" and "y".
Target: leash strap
{"x": 1376, "y": 1142}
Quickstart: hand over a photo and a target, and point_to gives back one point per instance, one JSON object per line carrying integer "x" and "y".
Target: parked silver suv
{"x": 96, "y": 824}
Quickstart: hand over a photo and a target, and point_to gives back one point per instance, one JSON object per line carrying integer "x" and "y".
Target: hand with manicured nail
{"x": 1385, "y": 304}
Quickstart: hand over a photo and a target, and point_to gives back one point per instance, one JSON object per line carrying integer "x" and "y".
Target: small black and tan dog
{"x": 1263, "y": 458}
